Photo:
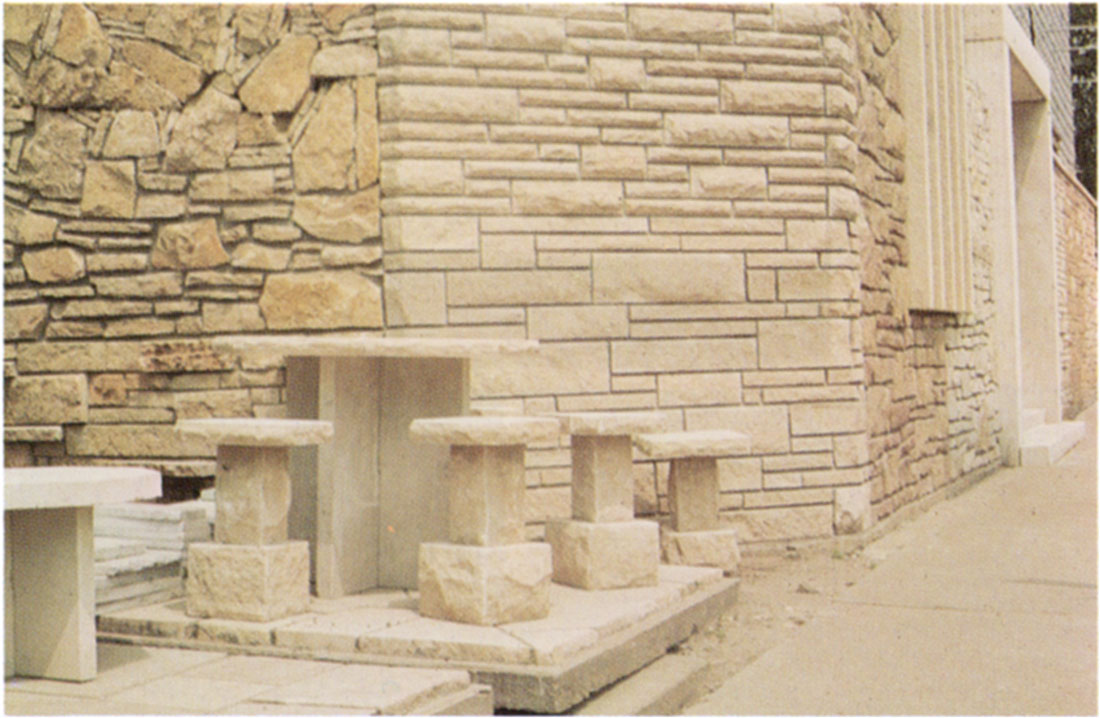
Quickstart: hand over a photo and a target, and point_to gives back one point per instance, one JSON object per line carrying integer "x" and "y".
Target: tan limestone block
{"x": 577, "y": 322}
{"x": 234, "y": 185}
{"x": 817, "y": 234}
{"x": 688, "y": 444}
{"x": 340, "y": 218}
{"x": 180, "y": 77}
{"x": 219, "y": 317}
{"x": 194, "y": 31}
{"x": 814, "y": 19}
{"x": 347, "y": 60}
{"x": 24, "y": 321}
{"x": 56, "y": 264}
{"x": 253, "y": 129}
{"x": 422, "y": 177}
{"x": 321, "y": 300}
{"x": 852, "y": 511}
{"x": 603, "y": 556}
{"x": 133, "y": 133}
{"x": 657, "y": 277}
{"x": 544, "y": 286}
{"x": 80, "y": 40}
{"x": 191, "y": 245}
{"x": 454, "y": 104}
{"x": 819, "y": 284}
{"x": 333, "y": 17}
{"x": 414, "y": 46}
{"x": 610, "y": 423}
{"x": 247, "y": 583}
{"x": 613, "y": 162}
{"x": 366, "y": 132}
{"x": 21, "y": 22}
{"x": 33, "y": 434}
{"x": 323, "y": 157}
{"x": 524, "y": 32}
{"x": 693, "y": 493}
{"x": 602, "y": 478}
{"x": 779, "y": 98}
{"x": 558, "y": 197}
{"x": 252, "y": 255}
{"x": 282, "y": 77}
{"x": 257, "y": 26}
{"x": 47, "y": 399}
{"x": 486, "y": 490}
{"x": 768, "y": 427}
{"x": 436, "y": 233}
{"x": 680, "y": 24}
{"x": 53, "y": 158}
{"x": 348, "y": 256}
{"x": 110, "y": 189}
{"x": 671, "y": 355}
{"x": 731, "y": 182}
{"x": 415, "y": 298}
{"x": 484, "y": 585}
{"x": 794, "y": 343}
{"x": 726, "y": 130}
{"x": 205, "y": 134}
{"x": 253, "y": 494}
{"x": 485, "y": 430}
{"x": 566, "y": 368}
{"x": 829, "y": 417}
{"x": 698, "y": 389}
{"x": 257, "y": 432}
{"x": 26, "y": 227}
{"x": 161, "y": 205}
{"x": 717, "y": 548}
{"x": 617, "y": 73}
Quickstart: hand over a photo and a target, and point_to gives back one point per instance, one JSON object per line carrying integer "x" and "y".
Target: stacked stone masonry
{"x": 695, "y": 210}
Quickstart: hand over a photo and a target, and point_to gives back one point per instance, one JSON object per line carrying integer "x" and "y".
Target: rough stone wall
{"x": 663, "y": 197}
{"x": 174, "y": 172}
{"x": 1048, "y": 28}
{"x": 1075, "y": 219}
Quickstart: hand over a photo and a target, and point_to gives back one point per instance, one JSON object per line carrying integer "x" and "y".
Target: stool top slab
{"x": 692, "y": 444}
{"x": 610, "y": 423}
{"x": 257, "y": 432}
{"x": 485, "y": 430}
{"x": 372, "y": 345}
{"x": 48, "y": 487}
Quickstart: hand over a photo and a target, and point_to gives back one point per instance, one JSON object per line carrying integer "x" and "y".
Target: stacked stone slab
{"x": 251, "y": 572}
{"x": 487, "y": 574}
{"x": 695, "y": 536}
{"x": 603, "y": 546}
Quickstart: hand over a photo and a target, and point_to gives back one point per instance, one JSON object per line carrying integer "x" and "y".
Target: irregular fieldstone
{"x": 252, "y": 255}
{"x": 205, "y": 134}
{"x": 26, "y": 227}
{"x": 188, "y": 245}
{"x": 133, "y": 133}
{"x": 193, "y": 30}
{"x": 21, "y": 22}
{"x": 110, "y": 189}
{"x": 56, "y": 264}
{"x": 55, "y": 84}
{"x": 334, "y": 16}
{"x": 323, "y": 157}
{"x": 366, "y": 132}
{"x": 80, "y": 40}
{"x": 321, "y": 300}
{"x": 50, "y": 399}
{"x": 24, "y": 321}
{"x": 257, "y": 130}
{"x": 348, "y": 60}
{"x": 53, "y": 158}
{"x": 180, "y": 77}
{"x": 257, "y": 26}
{"x": 128, "y": 87}
{"x": 282, "y": 77}
{"x": 341, "y": 218}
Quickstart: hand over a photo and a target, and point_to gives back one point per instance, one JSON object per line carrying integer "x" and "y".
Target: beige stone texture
{"x": 621, "y": 554}
{"x": 347, "y": 60}
{"x": 617, "y": 73}
{"x": 610, "y": 423}
{"x": 832, "y": 417}
{"x": 340, "y": 218}
{"x": 484, "y": 585}
{"x": 252, "y": 493}
{"x": 188, "y": 245}
{"x": 698, "y": 389}
{"x": 524, "y": 32}
{"x": 680, "y": 24}
{"x": 452, "y": 104}
{"x": 321, "y": 300}
{"x": 57, "y": 264}
{"x": 485, "y": 430}
{"x": 693, "y": 493}
{"x": 21, "y": 22}
{"x": 813, "y": 234}
{"x": 247, "y": 583}
{"x": 566, "y": 367}
{"x": 414, "y": 46}
{"x": 577, "y": 322}
{"x": 110, "y": 189}
{"x": 440, "y": 233}
{"x": 717, "y": 548}
{"x": 323, "y": 159}
{"x": 671, "y": 355}
{"x": 234, "y": 185}
{"x": 817, "y": 19}
{"x": 852, "y": 512}
{"x": 796, "y": 343}
{"x": 253, "y": 129}
{"x": 205, "y": 134}
{"x": 602, "y": 478}
{"x": 688, "y": 444}
{"x": 192, "y": 30}
{"x": 613, "y": 162}
{"x": 657, "y": 277}
{"x": 553, "y": 197}
{"x": 253, "y": 255}
{"x": 257, "y": 26}
{"x": 729, "y": 182}
{"x": 257, "y": 432}
{"x": 517, "y": 287}
{"x": 819, "y": 284}
{"x": 25, "y": 227}
{"x": 52, "y": 161}
{"x": 726, "y": 130}
{"x": 46, "y": 399}
{"x": 767, "y": 426}
{"x": 415, "y": 298}
{"x": 417, "y": 177}
{"x": 219, "y": 317}
{"x": 366, "y": 132}
{"x": 24, "y": 321}
{"x": 160, "y": 206}
{"x": 133, "y": 133}
{"x": 80, "y": 40}
{"x": 772, "y": 524}
{"x": 777, "y": 98}
{"x": 485, "y": 486}
{"x": 281, "y": 79}
{"x": 180, "y": 77}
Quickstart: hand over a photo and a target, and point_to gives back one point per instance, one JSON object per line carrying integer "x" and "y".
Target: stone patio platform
{"x": 589, "y": 640}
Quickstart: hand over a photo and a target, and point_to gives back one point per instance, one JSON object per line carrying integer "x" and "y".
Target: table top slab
{"x": 610, "y": 423}
{"x": 692, "y": 444}
{"x": 367, "y": 345}
{"x": 485, "y": 430}
{"x": 47, "y": 487}
{"x": 257, "y": 432}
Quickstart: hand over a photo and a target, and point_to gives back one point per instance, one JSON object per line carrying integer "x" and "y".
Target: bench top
{"x": 692, "y": 444}
{"x": 610, "y": 423}
{"x": 257, "y": 432}
{"x": 51, "y": 487}
{"x": 485, "y": 430}
{"x": 369, "y": 345}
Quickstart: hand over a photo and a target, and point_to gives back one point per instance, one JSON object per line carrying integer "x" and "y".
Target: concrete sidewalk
{"x": 986, "y": 604}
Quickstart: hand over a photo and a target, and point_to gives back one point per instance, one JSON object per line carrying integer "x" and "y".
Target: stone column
{"x": 487, "y": 574}
{"x": 603, "y": 546}
{"x": 252, "y": 572}
{"x": 695, "y": 536}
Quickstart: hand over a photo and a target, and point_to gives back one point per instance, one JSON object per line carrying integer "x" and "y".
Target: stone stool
{"x": 694, "y": 537}
{"x": 488, "y": 574}
{"x": 603, "y": 546}
{"x": 251, "y": 572}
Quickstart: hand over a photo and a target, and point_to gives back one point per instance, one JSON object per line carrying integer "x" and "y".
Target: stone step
{"x": 661, "y": 688}
{"x": 1044, "y": 445}
{"x": 473, "y": 700}
{"x": 108, "y": 549}
{"x": 1030, "y": 418}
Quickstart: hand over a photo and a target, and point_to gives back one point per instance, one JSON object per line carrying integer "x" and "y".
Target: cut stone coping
{"x": 48, "y": 487}
{"x": 485, "y": 430}
{"x": 257, "y": 432}
{"x": 692, "y": 444}
{"x": 372, "y": 345}
{"x": 34, "y": 433}
{"x": 609, "y": 423}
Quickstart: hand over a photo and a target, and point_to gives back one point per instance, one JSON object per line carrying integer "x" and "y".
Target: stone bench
{"x": 695, "y": 536}
{"x": 487, "y": 574}
{"x": 251, "y": 571}
{"x": 49, "y": 583}
{"x": 603, "y": 546}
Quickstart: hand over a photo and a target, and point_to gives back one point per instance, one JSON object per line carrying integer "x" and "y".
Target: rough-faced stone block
{"x": 205, "y": 134}
{"x": 188, "y": 245}
{"x": 253, "y": 495}
{"x": 558, "y": 197}
{"x": 680, "y": 24}
{"x": 794, "y": 343}
{"x": 729, "y": 182}
{"x": 422, "y": 177}
{"x": 439, "y": 234}
{"x": 659, "y": 277}
{"x": 51, "y": 399}
{"x": 321, "y": 300}
{"x": 56, "y": 264}
{"x": 604, "y": 556}
{"x": 247, "y": 583}
{"x": 133, "y": 134}
{"x": 484, "y": 585}
{"x": 693, "y": 494}
{"x": 567, "y": 368}
{"x": 603, "y": 478}
{"x": 726, "y": 130}
{"x": 415, "y": 298}
{"x": 524, "y": 32}
{"x": 772, "y": 97}
{"x": 110, "y": 189}
{"x": 819, "y": 284}
{"x": 282, "y": 77}
{"x": 717, "y": 548}
{"x": 617, "y": 73}
{"x": 613, "y": 161}
{"x": 341, "y": 218}
{"x": 455, "y": 104}
{"x": 323, "y": 157}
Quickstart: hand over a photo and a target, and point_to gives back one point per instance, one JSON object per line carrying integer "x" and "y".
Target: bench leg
{"x": 51, "y": 579}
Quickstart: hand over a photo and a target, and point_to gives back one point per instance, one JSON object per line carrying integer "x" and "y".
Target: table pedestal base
{"x": 247, "y": 583}
{"x": 616, "y": 554}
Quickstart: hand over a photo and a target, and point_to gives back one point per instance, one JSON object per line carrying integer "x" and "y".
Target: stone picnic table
{"x": 49, "y": 580}
{"x": 367, "y": 499}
